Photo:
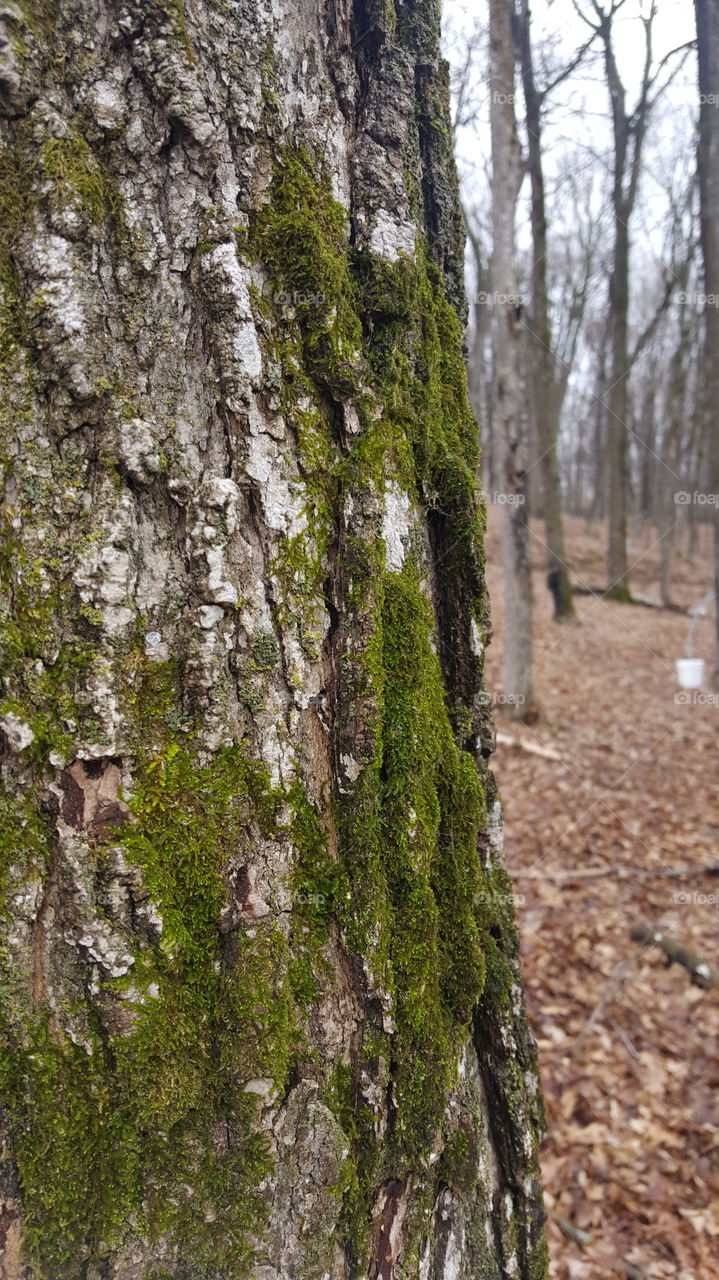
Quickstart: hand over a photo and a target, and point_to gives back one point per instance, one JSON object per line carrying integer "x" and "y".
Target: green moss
{"x": 15, "y": 178}
{"x": 346, "y": 324}
{"x": 538, "y": 1268}
{"x": 265, "y": 650}
{"x": 77, "y": 174}
{"x": 459, "y": 1162}
{"x": 392, "y": 858}
{"x": 414, "y": 342}
{"x": 429, "y": 801}
{"x": 418, "y": 30}
{"x": 43, "y": 672}
{"x": 76, "y": 1158}
{"x": 318, "y": 879}
{"x": 301, "y": 234}
{"x": 136, "y": 1123}
{"x": 175, "y": 10}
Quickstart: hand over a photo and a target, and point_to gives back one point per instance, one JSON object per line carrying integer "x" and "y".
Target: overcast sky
{"x": 576, "y": 122}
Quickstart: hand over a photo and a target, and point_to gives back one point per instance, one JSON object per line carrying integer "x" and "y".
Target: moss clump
{"x": 384, "y": 334}
{"x": 77, "y": 175}
{"x": 302, "y": 236}
{"x": 76, "y": 1156}
{"x": 414, "y": 345}
{"x": 265, "y": 650}
{"x": 132, "y": 1131}
{"x": 15, "y": 179}
{"x": 458, "y": 1166}
{"x": 318, "y": 879}
{"x": 410, "y": 840}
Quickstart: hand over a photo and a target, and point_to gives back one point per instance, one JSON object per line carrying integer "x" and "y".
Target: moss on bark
{"x": 142, "y": 1125}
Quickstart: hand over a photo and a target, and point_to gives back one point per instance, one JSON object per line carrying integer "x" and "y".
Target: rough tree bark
{"x": 509, "y": 425}
{"x": 707, "y": 15}
{"x": 261, "y": 1005}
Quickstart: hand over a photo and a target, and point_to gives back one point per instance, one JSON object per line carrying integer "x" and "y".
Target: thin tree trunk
{"x": 665, "y": 483}
{"x": 545, "y": 397}
{"x": 707, "y": 15}
{"x": 251, "y": 869}
{"x": 617, "y": 407}
{"x": 666, "y": 474}
{"x": 598, "y": 507}
{"x": 480, "y": 380}
{"x": 509, "y": 400}
{"x": 629, "y": 132}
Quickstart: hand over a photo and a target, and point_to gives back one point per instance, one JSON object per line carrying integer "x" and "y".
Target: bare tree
{"x": 546, "y": 393}
{"x": 629, "y": 130}
{"x": 480, "y": 354}
{"x": 510, "y": 410}
{"x": 707, "y": 16}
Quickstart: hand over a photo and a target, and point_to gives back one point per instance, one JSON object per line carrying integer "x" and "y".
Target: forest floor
{"x": 627, "y": 791}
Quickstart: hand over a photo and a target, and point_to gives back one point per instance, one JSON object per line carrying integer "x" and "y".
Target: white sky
{"x": 577, "y": 150}
{"x": 576, "y": 122}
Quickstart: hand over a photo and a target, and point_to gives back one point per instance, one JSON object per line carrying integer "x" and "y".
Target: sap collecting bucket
{"x": 690, "y": 673}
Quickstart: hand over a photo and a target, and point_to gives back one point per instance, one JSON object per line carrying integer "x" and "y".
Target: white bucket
{"x": 690, "y": 673}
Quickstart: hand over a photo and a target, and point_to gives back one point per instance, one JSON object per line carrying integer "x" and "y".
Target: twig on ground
{"x": 613, "y": 981}
{"x": 634, "y": 1273}
{"x": 582, "y": 1238}
{"x": 624, "y": 1038}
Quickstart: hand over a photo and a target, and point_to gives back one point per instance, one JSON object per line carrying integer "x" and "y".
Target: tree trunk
{"x": 510, "y": 416}
{"x": 545, "y": 400}
{"x": 665, "y": 486}
{"x": 479, "y": 365}
{"x": 617, "y": 407}
{"x": 629, "y": 132}
{"x": 261, "y": 1005}
{"x": 707, "y": 14}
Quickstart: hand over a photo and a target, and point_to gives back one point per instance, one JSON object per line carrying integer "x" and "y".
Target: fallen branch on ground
{"x": 621, "y": 873}
{"x": 535, "y": 748}
{"x": 644, "y": 602}
{"x": 702, "y": 974}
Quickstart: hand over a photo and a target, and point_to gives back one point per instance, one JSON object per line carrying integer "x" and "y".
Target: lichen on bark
{"x": 261, "y": 1006}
